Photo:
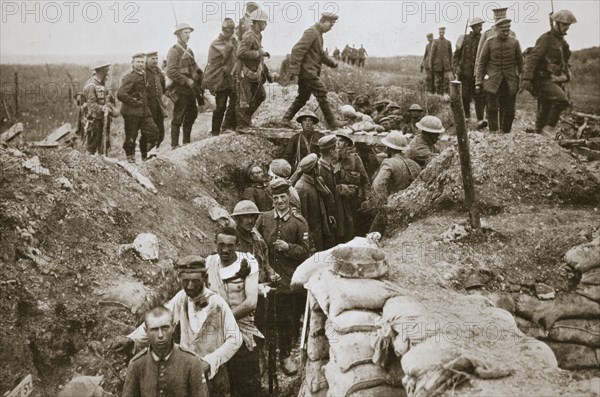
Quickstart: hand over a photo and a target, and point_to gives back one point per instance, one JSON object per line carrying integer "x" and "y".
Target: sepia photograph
{"x": 310, "y": 198}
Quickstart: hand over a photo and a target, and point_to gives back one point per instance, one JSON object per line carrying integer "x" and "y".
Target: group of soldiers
{"x": 492, "y": 67}
{"x": 351, "y": 55}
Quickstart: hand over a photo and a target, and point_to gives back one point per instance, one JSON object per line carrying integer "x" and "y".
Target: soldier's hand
{"x": 105, "y": 108}
{"x": 275, "y": 278}
{"x": 121, "y": 343}
{"x": 293, "y": 78}
{"x": 527, "y": 85}
{"x": 281, "y": 245}
{"x": 478, "y": 89}
{"x": 189, "y": 83}
{"x": 332, "y": 221}
{"x": 266, "y": 55}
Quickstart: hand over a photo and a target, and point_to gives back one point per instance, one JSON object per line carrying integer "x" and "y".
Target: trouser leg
{"x": 467, "y": 94}
{"x": 177, "y": 120}
{"x": 219, "y": 385}
{"x": 219, "y": 112}
{"x": 304, "y": 92}
{"x": 230, "y": 120}
{"x": 555, "y": 98}
{"x": 190, "y": 114}
{"x": 258, "y": 97}
{"x": 149, "y": 135}
{"x": 94, "y": 135}
{"x": 132, "y": 126}
{"x": 320, "y": 92}
{"x": 244, "y": 373}
{"x": 507, "y": 104}
{"x": 492, "y": 111}
{"x": 159, "y": 121}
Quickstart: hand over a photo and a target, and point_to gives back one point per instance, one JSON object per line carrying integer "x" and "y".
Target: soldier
{"x": 286, "y": 234}
{"x": 392, "y": 108}
{"x": 502, "y": 60}
{"x": 397, "y": 171}
{"x": 336, "y": 54}
{"x": 156, "y": 85}
{"x": 327, "y": 171}
{"x": 251, "y": 70}
{"x": 346, "y": 54}
{"x": 257, "y": 192}
{"x": 208, "y": 326}
{"x": 353, "y": 186}
{"x": 362, "y": 55}
{"x": 353, "y": 55}
{"x": 135, "y": 110}
{"x": 361, "y": 104}
{"x": 164, "y": 367}
{"x": 464, "y": 68}
{"x": 183, "y": 72}
{"x": 234, "y": 276}
{"x": 499, "y": 13}
{"x": 422, "y": 148}
{"x": 245, "y": 23}
{"x": 546, "y": 70}
{"x": 416, "y": 113}
{"x": 284, "y": 70}
{"x": 316, "y": 204}
{"x": 307, "y": 58}
{"x": 379, "y": 109}
{"x": 305, "y": 142}
{"x": 281, "y": 169}
{"x": 218, "y": 79}
{"x": 425, "y": 64}
{"x": 440, "y": 62}
{"x": 98, "y": 104}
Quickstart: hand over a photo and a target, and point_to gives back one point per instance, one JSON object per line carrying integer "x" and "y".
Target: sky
{"x": 84, "y": 30}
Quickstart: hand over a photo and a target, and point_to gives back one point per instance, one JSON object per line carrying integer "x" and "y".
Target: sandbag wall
{"x": 570, "y": 323}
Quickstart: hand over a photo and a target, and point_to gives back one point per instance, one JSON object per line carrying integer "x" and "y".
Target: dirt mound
{"x": 507, "y": 169}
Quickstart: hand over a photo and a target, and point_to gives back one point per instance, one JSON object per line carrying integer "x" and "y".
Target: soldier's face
{"x": 139, "y": 64}
{"x": 262, "y": 25}
{"x": 308, "y": 124}
{"x": 563, "y": 27}
{"x": 477, "y": 28}
{"x": 228, "y": 32}
{"x": 442, "y": 34}
{"x": 504, "y": 32}
{"x": 257, "y": 174}
{"x": 184, "y": 35}
{"x": 226, "y": 248}
{"x": 160, "y": 331}
{"x": 192, "y": 283}
{"x": 152, "y": 61}
{"x": 281, "y": 201}
{"x": 246, "y": 222}
{"x": 327, "y": 26}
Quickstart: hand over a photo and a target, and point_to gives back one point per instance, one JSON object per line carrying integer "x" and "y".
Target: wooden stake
{"x": 16, "y": 95}
{"x": 465, "y": 155}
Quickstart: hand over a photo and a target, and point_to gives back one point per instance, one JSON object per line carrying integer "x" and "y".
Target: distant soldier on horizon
{"x": 336, "y": 54}
{"x": 440, "y": 62}
{"x": 245, "y": 22}
{"x": 425, "y": 66}
{"x": 362, "y": 55}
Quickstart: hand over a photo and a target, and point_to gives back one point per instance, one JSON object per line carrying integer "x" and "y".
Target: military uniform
{"x": 155, "y": 79}
{"x": 251, "y": 76}
{"x": 547, "y": 65}
{"x": 291, "y": 228}
{"x": 181, "y": 66}
{"x": 440, "y": 63}
{"x": 306, "y": 60}
{"x": 336, "y": 54}
{"x": 425, "y": 65}
{"x": 351, "y": 173}
{"x": 421, "y": 151}
{"x": 396, "y": 173}
{"x": 180, "y": 373}
{"x": 362, "y": 55}
{"x": 502, "y": 61}
{"x": 464, "y": 64}
{"x": 299, "y": 146}
{"x": 95, "y": 94}
{"x": 258, "y": 195}
{"x": 219, "y": 81}
{"x": 136, "y": 113}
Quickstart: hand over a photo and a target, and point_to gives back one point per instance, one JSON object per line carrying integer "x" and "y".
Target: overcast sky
{"x": 102, "y": 28}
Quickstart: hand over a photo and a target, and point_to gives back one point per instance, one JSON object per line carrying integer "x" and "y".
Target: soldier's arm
{"x": 449, "y": 51}
{"x": 456, "y": 57}
{"x": 173, "y": 72}
{"x": 432, "y": 56}
{"x": 92, "y": 102}
{"x": 125, "y": 88}
{"x": 163, "y": 83}
{"x": 299, "y": 51}
{"x": 539, "y": 51}
{"x": 482, "y": 64}
{"x": 268, "y": 270}
{"x": 425, "y": 57}
{"x": 131, "y": 388}
{"x": 231, "y": 335}
{"x": 290, "y": 150}
{"x": 245, "y": 50}
{"x": 482, "y": 40}
{"x": 519, "y": 57}
{"x": 298, "y": 250}
{"x": 197, "y": 384}
{"x": 381, "y": 181}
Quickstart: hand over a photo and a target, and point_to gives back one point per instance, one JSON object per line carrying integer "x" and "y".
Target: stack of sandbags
{"x": 569, "y": 324}
{"x": 348, "y": 290}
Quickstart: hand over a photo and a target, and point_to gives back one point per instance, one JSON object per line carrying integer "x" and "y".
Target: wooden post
{"x": 465, "y": 155}
{"x": 16, "y": 95}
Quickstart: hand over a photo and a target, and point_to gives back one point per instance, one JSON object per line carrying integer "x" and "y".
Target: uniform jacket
{"x": 362, "y": 53}
{"x": 314, "y": 210}
{"x": 259, "y": 195}
{"x": 95, "y": 94}
{"x": 500, "y": 59}
{"x": 134, "y": 96}
{"x": 181, "y": 65}
{"x": 441, "y": 55}
{"x": 308, "y": 54}
{"x": 154, "y": 91}
{"x": 299, "y": 147}
{"x": 465, "y": 55}
{"x": 248, "y": 51}
{"x": 292, "y": 229}
{"x": 488, "y": 34}
{"x": 350, "y": 172}
{"x": 181, "y": 374}
{"x": 421, "y": 151}
{"x": 211, "y": 332}
{"x": 396, "y": 173}
{"x": 549, "y": 56}
{"x": 426, "y": 63}
{"x": 254, "y": 244}
{"x": 221, "y": 60}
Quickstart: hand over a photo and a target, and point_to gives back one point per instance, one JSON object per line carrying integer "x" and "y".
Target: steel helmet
{"x": 259, "y": 15}
{"x": 181, "y": 27}
{"x": 245, "y": 207}
{"x": 564, "y": 16}
{"x": 307, "y": 113}
{"x": 431, "y": 124}
{"x": 393, "y": 105}
{"x": 348, "y": 111}
{"x": 395, "y": 140}
{"x": 476, "y": 21}
{"x": 415, "y": 106}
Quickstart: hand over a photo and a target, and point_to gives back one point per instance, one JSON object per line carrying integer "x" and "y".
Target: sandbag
{"x": 589, "y": 291}
{"x": 359, "y": 262}
{"x": 336, "y": 294}
{"x": 315, "y": 378}
{"x": 317, "y": 321}
{"x": 359, "y": 378}
{"x": 584, "y": 257}
{"x": 350, "y": 350}
{"x": 321, "y": 260}
{"x": 571, "y": 356}
{"x": 531, "y": 329}
{"x": 380, "y": 391}
{"x": 580, "y": 331}
{"x": 591, "y": 277}
{"x": 564, "y": 306}
{"x": 317, "y": 347}
{"x": 432, "y": 352}
{"x": 305, "y": 391}
{"x": 354, "y": 321}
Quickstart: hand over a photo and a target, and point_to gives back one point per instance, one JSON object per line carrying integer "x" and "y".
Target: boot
{"x": 131, "y": 159}
{"x": 549, "y": 132}
{"x": 481, "y": 124}
{"x": 289, "y": 366}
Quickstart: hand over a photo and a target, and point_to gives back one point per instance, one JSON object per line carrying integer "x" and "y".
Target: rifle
{"x": 272, "y": 342}
{"x": 105, "y": 131}
{"x": 552, "y": 12}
